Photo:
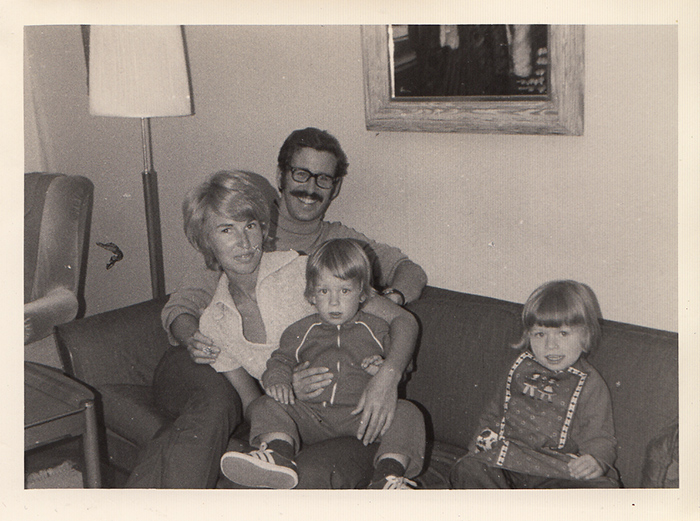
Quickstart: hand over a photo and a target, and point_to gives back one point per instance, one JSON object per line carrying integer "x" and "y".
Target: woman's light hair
{"x": 232, "y": 194}
{"x": 562, "y": 302}
{"x": 343, "y": 258}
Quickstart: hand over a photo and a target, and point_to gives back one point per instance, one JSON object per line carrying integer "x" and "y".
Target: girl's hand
{"x": 202, "y": 349}
{"x": 310, "y": 383}
{"x": 283, "y": 393}
{"x": 585, "y": 467}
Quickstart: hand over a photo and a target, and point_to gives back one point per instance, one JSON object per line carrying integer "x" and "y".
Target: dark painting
{"x": 470, "y": 60}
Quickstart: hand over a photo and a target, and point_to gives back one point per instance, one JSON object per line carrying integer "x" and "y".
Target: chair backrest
{"x": 57, "y": 214}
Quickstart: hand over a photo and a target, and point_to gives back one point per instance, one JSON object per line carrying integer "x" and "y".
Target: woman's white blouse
{"x": 280, "y": 295}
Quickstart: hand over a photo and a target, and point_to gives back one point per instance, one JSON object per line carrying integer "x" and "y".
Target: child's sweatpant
{"x": 310, "y": 423}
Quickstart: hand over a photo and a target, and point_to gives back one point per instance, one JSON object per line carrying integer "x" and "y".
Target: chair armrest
{"x": 40, "y": 316}
{"x": 122, "y": 346}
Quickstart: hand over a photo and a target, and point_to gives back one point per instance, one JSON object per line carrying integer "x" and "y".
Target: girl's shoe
{"x": 261, "y": 468}
{"x": 393, "y": 482}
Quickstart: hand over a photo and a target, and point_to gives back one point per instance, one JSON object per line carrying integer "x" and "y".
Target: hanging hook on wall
{"x": 117, "y": 253}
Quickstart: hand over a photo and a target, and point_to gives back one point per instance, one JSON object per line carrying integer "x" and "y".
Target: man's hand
{"x": 377, "y": 405}
{"x": 281, "y": 392}
{"x": 585, "y": 467}
{"x": 309, "y": 383}
{"x": 202, "y": 349}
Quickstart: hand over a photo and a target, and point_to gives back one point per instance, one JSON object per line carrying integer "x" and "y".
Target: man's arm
{"x": 378, "y": 401}
{"x": 409, "y": 279}
{"x": 191, "y": 297}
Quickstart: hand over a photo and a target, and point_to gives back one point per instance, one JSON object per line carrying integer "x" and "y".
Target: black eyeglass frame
{"x": 306, "y": 175}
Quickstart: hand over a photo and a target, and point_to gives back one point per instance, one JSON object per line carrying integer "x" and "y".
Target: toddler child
{"x": 351, "y": 344}
{"x": 551, "y": 424}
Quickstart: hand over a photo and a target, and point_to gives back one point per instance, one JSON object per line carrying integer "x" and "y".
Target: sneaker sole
{"x": 252, "y": 472}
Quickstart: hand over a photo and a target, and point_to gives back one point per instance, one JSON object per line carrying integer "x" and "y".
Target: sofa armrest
{"x": 122, "y": 346}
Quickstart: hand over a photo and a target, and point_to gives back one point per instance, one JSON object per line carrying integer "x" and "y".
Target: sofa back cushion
{"x": 464, "y": 347}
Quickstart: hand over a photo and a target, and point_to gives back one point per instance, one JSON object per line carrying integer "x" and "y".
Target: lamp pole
{"x": 150, "y": 197}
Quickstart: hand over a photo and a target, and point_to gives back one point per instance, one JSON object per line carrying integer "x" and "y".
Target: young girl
{"x": 551, "y": 425}
{"x": 350, "y": 343}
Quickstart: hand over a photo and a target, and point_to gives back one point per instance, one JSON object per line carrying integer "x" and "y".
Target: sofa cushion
{"x": 130, "y": 412}
{"x": 463, "y": 349}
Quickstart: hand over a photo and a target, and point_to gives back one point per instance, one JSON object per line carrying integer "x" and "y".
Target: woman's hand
{"x": 202, "y": 349}
{"x": 309, "y": 383}
{"x": 585, "y": 467}
{"x": 281, "y": 392}
{"x": 185, "y": 328}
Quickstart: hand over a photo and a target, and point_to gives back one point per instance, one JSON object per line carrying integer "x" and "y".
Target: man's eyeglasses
{"x": 301, "y": 175}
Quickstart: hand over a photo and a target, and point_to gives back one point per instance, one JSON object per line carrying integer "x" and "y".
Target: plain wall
{"x": 489, "y": 214}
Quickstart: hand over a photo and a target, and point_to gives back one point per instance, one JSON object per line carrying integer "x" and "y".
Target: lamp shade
{"x": 138, "y": 71}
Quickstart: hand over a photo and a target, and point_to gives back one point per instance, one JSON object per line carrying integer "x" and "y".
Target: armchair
{"x": 57, "y": 213}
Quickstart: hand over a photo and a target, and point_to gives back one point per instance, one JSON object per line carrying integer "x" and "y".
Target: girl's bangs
{"x": 555, "y": 311}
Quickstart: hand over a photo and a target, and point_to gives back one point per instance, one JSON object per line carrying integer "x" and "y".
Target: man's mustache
{"x": 310, "y": 195}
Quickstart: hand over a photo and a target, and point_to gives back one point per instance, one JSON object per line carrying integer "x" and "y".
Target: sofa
{"x": 463, "y": 349}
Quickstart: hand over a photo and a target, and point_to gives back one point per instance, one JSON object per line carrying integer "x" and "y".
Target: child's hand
{"x": 371, "y": 364}
{"x": 281, "y": 392}
{"x": 585, "y": 467}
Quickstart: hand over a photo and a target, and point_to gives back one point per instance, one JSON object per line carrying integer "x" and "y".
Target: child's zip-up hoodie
{"x": 340, "y": 348}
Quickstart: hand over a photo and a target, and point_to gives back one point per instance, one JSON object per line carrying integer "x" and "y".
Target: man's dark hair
{"x": 317, "y": 139}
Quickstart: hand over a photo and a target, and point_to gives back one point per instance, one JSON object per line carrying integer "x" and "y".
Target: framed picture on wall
{"x": 518, "y": 79}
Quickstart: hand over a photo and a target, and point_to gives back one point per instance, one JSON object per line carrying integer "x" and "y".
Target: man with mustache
{"x": 311, "y": 166}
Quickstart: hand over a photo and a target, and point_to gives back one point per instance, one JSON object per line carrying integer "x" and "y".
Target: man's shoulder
{"x": 337, "y": 230}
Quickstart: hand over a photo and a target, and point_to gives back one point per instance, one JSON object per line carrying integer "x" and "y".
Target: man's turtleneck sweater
{"x": 196, "y": 290}
{"x": 290, "y": 234}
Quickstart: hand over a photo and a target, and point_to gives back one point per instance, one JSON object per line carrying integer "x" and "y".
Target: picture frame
{"x": 559, "y": 112}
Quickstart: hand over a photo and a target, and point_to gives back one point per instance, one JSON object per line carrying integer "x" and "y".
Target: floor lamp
{"x": 141, "y": 72}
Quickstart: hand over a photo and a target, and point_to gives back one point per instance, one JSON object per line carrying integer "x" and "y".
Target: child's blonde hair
{"x": 343, "y": 258}
{"x": 562, "y": 302}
